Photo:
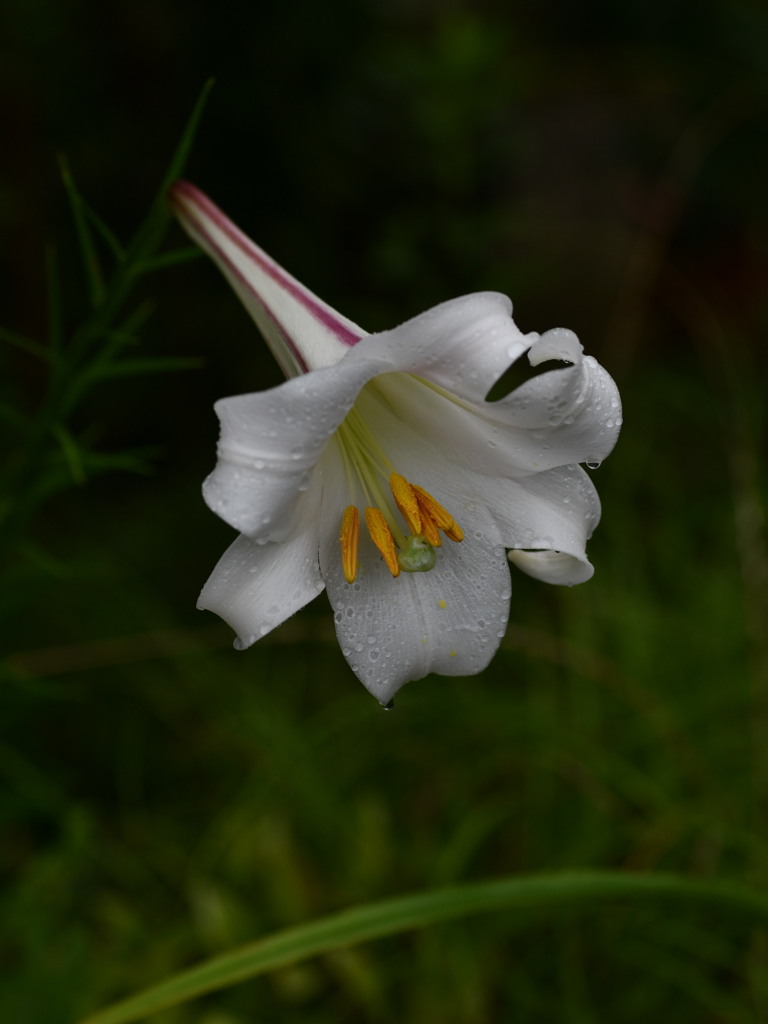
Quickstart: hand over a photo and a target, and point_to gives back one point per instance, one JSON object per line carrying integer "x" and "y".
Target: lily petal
{"x": 573, "y": 411}
{"x": 271, "y": 440}
{"x": 303, "y": 332}
{"x": 368, "y": 420}
{"x": 256, "y": 587}
{"x": 447, "y": 621}
{"x": 550, "y": 514}
{"x": 553, "y": 566}
{"x": 566, "y": 415}
{"x": 463, "y": 345}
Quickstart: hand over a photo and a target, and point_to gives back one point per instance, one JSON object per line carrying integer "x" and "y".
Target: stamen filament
{"x": 366, "y": 463}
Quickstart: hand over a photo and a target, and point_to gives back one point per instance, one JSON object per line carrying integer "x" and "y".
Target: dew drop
{"x": 593, "y": 463}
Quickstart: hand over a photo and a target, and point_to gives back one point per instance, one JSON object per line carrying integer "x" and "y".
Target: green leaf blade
{"x": 388, "y": 917}
{"x": 88, "y": 251}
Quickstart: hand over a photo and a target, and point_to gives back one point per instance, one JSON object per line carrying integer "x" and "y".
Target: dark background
{"x": 164, "y": 798}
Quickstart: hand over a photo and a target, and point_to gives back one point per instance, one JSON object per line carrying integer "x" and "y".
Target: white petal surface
{"x": 565, "y": 415}
{"x": 573, "y": 414}
{"x": 303, "y": 332}
{"x": 449, "y": 620}
{"x": 270, "y": 442}
{"x": 255, "y": 587}
{"x": 553, "y": 566}
{"x": 464, "y": 344}
{"x": 554, "y": 512}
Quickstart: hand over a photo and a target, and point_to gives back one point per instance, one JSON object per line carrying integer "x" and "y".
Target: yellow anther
{"x": 429, "y": 529}
{"x": 440, "y": 516}
{"x": 350, "y": 534}
{"x": 381, "y": 535}
{"x": 406, "y": 500}
{"x": 454, "y": 532}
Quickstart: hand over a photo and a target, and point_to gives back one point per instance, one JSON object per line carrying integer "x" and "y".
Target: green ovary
{"x": 418, "y": 555}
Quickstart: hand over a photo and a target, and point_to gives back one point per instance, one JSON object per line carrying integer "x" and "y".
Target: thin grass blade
{"x": 171, "y": 259}
{"x": 25, "y": 344}
{"x": 136, "y": 367}
{"x": 181, "y": 154}
{"x": 88, "y": 251}
{"x": 389, "y": 917}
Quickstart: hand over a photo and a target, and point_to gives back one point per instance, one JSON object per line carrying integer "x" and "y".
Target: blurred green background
{"x": 163, "y": 797}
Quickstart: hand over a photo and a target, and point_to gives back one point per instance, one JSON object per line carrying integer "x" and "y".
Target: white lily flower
{"x": 393, "y": 431}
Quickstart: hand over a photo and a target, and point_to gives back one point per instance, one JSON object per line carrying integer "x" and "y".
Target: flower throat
{"x": 367, "y": 466}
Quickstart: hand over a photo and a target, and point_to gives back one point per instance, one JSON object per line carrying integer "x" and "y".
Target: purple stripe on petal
{"x": 301, "y": 363}
{"x": 182, "y": 190}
